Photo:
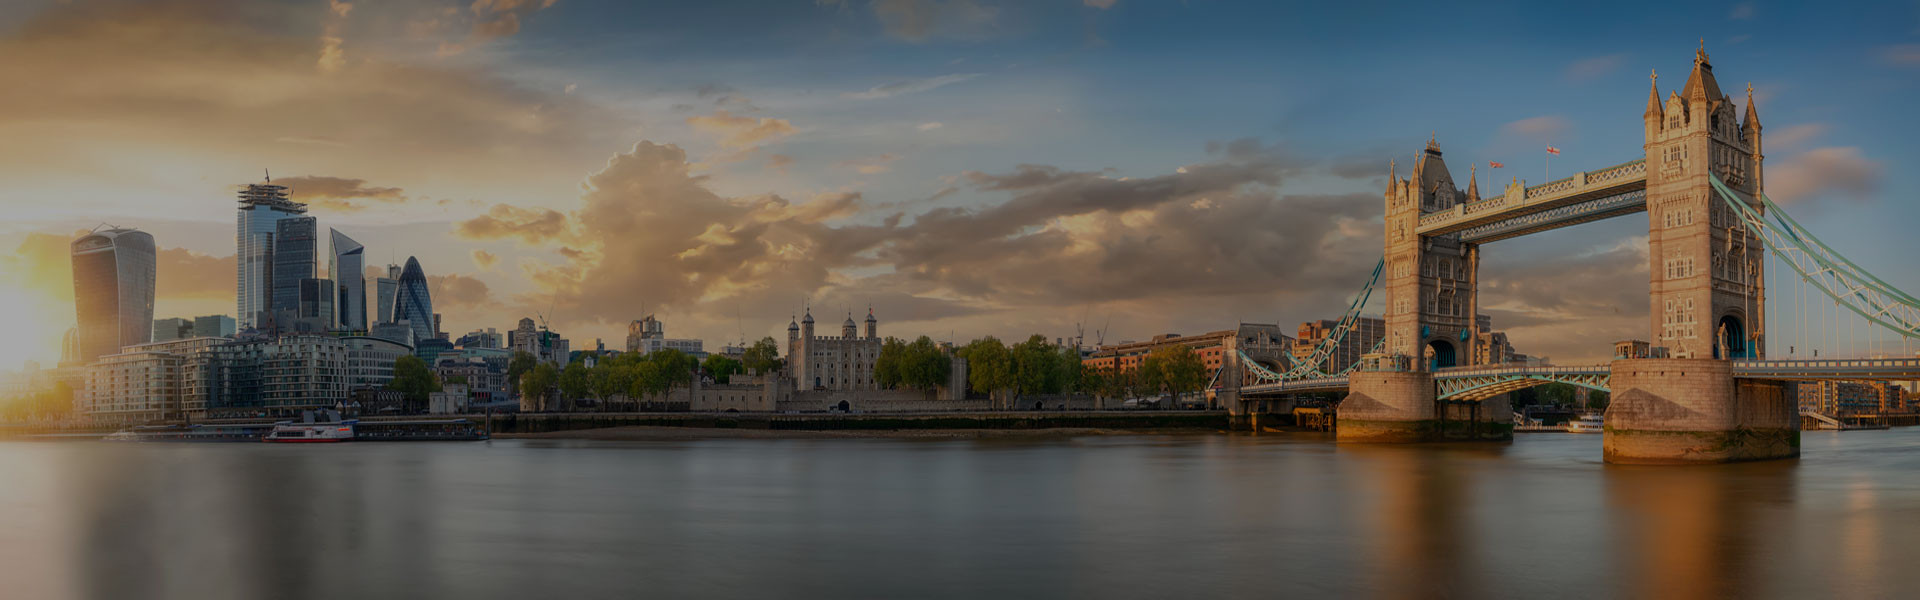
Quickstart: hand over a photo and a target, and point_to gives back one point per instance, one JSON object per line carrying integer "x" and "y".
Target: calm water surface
{"x": 1090, "y": 517}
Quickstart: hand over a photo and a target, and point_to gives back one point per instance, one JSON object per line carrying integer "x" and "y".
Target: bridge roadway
{"x": 1580, "y": 198}
{"x": 1474, "y": 383}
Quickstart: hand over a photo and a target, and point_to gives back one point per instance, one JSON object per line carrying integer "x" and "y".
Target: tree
{"x": 676, "y": 367}
{"x": 762, "y": 357}
{"x": 647, "y": 381}
{"x": 538, "y": 383}
{"x": 888, "y": 365}
{"x": 1034, "y": 369}
{"x": 1175, "y": 369}
{"x": 1597, "y": 400}
{"x": 989, "y": 365}
{"x": 518, "y": 366}
{"x": 413, "y": 379}
{"x": 721, "y": 368}
{"x": 575, "y": 382}
{"x": 1073, "y": 373}
{"x": 923, "y": 366}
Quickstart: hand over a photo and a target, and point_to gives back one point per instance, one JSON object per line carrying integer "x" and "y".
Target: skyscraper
{"x": 316, "y": 313}
{"x": 348, "y": 271}
{"x": 385, "y": 288}
{"x": 262, "y": 207}
{"x": 113, "y": 277}
{"x": 414, "y": 304}
{"x": 295, "y": 257}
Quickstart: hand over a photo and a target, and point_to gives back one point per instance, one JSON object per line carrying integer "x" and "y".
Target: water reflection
{"x": 1098, "y": 517}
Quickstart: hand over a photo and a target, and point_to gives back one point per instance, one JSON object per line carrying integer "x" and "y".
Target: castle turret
{"x": 873, "y": 325}
{"x": 806, "y": 326}
{"x": 848, "y": 330}
{"x": 1752, "y": 127}
{"x": 1656, "y": 113}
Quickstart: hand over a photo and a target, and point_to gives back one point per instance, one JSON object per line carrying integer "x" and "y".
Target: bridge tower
{"x": 1430, "y": 281}
{"x": 1707, "y": 278}
{"x": 1707, "y": 291}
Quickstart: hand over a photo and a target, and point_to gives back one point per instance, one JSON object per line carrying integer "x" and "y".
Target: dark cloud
{"x": 456, "y": 292}
{"x": 339, "y": 193}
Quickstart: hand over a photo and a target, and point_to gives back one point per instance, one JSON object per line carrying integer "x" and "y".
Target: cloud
{"x": 42, "y": 262}
{"x": 492, "y": 20}
{"x": 196, "y": 78}
{"x": 530, "y": 225}
{"x": 738, "y": 132}
{"x": 869, "y": 165}
{"x": 928, "y": 126}
{"x": 455, "y": 292}
{"x": 338, "y": 193}
{"x": 1212, "y": 232}
{"x": 1542, "y": 128}
{"x": 1101, "y": 4}
{"x": 1594, "y": 68}
{"x": 1821, "y": 172}
{"x": 1566, "y": 304}
{"x": 1791, "y": 138}
{"x": 779, "y": 162}
{"x": 184, "y": 274}
{"x": 909, "y": 86}
{"x": 1741, "y": 12}
{"x": 1906, "y": 55}
{"x": 484, "y": 260}
{"x": 921, "y": 20}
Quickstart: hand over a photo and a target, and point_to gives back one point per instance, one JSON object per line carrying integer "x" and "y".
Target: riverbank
{"x": 968, "y": 424}
{"x": 646, "y": 433}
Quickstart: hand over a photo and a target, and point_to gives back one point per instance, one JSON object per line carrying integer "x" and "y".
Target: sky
{"x": 1124, "y": 168}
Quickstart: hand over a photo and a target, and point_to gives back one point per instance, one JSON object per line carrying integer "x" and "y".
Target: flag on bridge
{"x": 1552, "y": 150}
{"x": 1495, "y": 164}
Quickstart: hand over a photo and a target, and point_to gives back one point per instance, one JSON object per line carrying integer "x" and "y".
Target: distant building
{"x": 295, "y": 259}
{"x": 171, "y": 329}
{"x": 478, "y": 338}
{"x": 413, "y": 303}
{"x": 545, "y": 346}
{"x": 485, "y": 376}
{"x": 113, "y": 279}
{"x": 315, "y": 311}
{"x": 146, "y": 382}
{"x": 370, "y": 360}
{"x": 213, "y": 326}
{"x": 648, "y": 335}
{"x": 1261, "y": 341}
{"x": 1365, "y": 334}
{"x": 1848, "y": 398}
{"x": 262, "y": 207}
{"x": 348, "y": 270}
{"x": 397, "y": 332}
{"x": 386, "y": 289}
{"x": 833, "y": 363}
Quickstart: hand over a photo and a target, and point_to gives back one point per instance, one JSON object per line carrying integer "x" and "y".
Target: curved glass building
{"x": 413, "y": 304}
{"x": 113, "y": 277}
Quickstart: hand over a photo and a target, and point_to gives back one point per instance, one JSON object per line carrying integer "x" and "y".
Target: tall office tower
{"x": 113, "y": 275}
{"x": 413, "y": 303}
{"x": 385, "y": 288}
{"x": 348, "y": 271}
{"x": 315, "y": 313}
{"x": 295, "y": 258}
{"x": 262, "y": 207}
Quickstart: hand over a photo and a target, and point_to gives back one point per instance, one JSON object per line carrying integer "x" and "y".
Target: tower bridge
{"x": 1702, "y": 390}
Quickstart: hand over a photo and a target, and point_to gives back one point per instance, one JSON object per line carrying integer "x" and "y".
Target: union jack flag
{"x": 1496, "y": 165}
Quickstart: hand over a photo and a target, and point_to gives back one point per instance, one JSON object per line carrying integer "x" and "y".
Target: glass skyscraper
{"x": 113, "y": 276}
{"x": 348, "y": 270}
{"x": 295, "y": 258}
{"x": 262, "y": 207}
{"x": 385, "y": 288}
{"x": 414, "y": 304}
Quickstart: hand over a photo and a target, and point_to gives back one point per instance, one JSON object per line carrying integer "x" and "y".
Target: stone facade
{"x": 1430, "y": 281}
{"x": 833, "y": 363}
{"x": 1706, "y": 270}
{"x": 1680, "y": 410}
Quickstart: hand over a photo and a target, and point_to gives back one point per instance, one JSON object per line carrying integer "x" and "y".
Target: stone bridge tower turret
{"x": 1430, "y": 281}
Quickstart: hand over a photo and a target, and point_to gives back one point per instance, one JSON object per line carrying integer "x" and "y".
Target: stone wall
{"x": 1387, "y": 406}
{"x": 1679, "y": 410}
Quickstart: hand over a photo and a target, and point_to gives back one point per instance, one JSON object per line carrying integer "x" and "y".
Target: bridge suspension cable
{"x": 1310, "y": 366}
{"x": 1845, "y": 282}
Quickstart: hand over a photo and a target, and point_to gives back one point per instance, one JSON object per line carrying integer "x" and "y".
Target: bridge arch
{"x": 1441, "y": 354}
{"x": 1732, "y": 325}
{"x": 1481, "y": 388}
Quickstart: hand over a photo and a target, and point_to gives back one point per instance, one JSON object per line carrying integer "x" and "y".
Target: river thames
{"x": 1148, "y": 516}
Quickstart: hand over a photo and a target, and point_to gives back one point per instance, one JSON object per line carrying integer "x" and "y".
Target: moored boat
{"x": 1592, "y": 424}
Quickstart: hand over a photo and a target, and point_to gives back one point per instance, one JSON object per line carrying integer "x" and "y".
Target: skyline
{"x": 1103, "y": 167}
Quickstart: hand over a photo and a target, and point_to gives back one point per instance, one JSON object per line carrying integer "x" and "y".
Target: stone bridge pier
{"x": 1388, "y": 404}
{"x": 1692, "y": 410}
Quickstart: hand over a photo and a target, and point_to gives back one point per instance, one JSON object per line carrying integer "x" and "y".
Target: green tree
{"x": 1597, "y": 400}
{"x": 1175, "y": 370}
{"x": 538, "y": 383}
{"x": 721, "y": 368}
{"x": 676, "y": 367}
{"x": 989, "y": 365}
{"x": 413, "y": 379}
{"x": 647, "y": 381}
{"x": 888, "y": 366}
{"x": 923, "y": 366}
{"x": 518, "y": 366}
{"x": 1034, "y": 366}
{"x": 1072, "y": 373}
{"x": 575, "y": 381}
{"x": 762, "y": 357}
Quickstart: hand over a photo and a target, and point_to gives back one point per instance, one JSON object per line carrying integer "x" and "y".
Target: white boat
{"x": 328, "y": 427}
{"x": 1593, "y": 424}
